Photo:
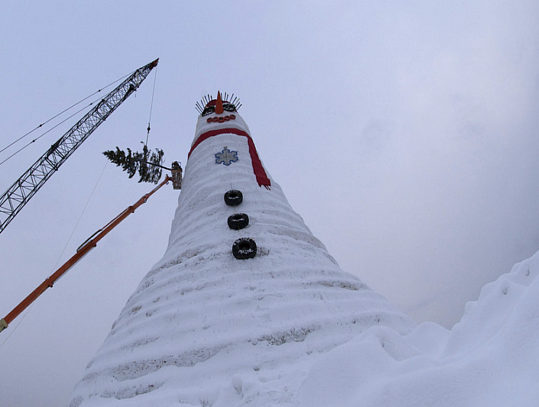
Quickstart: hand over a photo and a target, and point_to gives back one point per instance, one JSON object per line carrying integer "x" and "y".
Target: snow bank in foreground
{"x": 490, "y": 358}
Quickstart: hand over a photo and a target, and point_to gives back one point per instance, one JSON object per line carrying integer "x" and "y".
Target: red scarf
{"x": 260, "y": 174}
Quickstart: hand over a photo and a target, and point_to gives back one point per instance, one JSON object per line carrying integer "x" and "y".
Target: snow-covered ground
{"x": 289, "y": 328}
{"x": 490, "y": 358}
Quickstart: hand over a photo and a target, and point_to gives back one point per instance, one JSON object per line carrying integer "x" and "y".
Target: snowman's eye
{"x": 229, "y": 107}
{"x": 208, "y": 110}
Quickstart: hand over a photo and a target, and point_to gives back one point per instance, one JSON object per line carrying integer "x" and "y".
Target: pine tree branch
{"x": 134, "y": 162}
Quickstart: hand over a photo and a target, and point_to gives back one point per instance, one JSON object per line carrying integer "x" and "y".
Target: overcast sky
{"x": 404, "y": 133}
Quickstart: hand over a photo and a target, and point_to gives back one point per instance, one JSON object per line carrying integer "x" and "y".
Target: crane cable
{"x": 59, "y": 114}
{"x": 80, "y": 253}
{"x": 151, "y": 109}
{"x": 75, "y": 227}
{"x": 62, "y": 112}
{"x": 48, "y": 131}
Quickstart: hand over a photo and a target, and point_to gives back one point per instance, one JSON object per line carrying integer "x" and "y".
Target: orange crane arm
{"x": 81, "y": 251}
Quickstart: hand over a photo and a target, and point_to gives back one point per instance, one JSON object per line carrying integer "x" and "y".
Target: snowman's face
{"x": 209, "y": 119}
{"x": 210, "y": 108}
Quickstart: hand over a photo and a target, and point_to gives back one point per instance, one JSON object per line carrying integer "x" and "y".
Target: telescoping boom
{"x": 81, "y": 251}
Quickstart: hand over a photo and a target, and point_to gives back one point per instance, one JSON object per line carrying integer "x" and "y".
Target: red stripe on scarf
{"x": 259, "y": 171}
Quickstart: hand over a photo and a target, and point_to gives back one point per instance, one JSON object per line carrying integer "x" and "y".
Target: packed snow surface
{"x": 206, "y": 329}
{"x": 490, "y": 358}
{"x": 289, "y": 327}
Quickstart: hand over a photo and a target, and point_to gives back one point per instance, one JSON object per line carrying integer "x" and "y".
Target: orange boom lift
{"x": 88, "y": 245}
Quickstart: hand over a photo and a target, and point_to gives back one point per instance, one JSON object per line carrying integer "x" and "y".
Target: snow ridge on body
{"x": 206, "y": 329}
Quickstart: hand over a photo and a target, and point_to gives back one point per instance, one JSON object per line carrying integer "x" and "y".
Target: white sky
{"x": 403, "y": 132}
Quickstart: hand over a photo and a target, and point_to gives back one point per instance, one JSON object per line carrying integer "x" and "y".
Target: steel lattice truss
{"x": 14, "y": 199}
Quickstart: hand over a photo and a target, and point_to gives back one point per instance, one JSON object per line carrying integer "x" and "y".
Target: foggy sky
{"x": 405, "y": 134}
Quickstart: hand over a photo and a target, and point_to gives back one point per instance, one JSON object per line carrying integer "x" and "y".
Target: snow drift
{"x": 490, "y": 358}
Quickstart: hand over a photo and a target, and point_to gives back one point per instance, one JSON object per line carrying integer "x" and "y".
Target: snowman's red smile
{"x": 221, "y": 119}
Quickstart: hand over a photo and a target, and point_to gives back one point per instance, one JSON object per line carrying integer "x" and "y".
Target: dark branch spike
{"x": 207, "y": 98}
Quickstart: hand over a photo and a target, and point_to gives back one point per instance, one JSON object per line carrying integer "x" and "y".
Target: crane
{"x": 26, "y": 186}
{"x": 84, "y": 248}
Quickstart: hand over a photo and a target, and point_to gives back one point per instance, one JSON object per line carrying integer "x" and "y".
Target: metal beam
{"x": 26, "y": 186}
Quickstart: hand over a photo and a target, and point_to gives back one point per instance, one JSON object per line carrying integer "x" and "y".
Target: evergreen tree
{"x": 147, "y": 163}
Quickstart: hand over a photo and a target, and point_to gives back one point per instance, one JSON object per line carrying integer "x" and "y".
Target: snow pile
{"x": 206, "y": 329}
{"x": 490, "y": 358}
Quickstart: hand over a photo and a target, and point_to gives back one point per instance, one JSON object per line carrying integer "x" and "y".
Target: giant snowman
{"x": 244, "y": 300}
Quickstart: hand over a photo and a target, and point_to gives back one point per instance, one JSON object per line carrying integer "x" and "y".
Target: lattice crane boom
{"x": 24, "y": 188}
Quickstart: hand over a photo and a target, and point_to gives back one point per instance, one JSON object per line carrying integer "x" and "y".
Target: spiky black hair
{"x": 232, "y": 99}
